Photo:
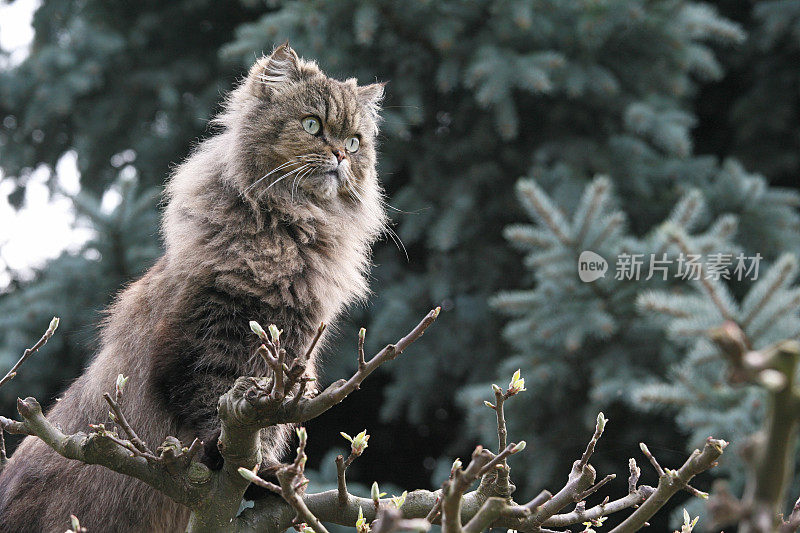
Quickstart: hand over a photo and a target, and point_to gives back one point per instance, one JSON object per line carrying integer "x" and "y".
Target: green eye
{"x": 352, "y": 144}
{"x": 311, "y": 124}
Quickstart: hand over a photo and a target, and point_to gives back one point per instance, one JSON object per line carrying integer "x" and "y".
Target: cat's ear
{"x": 371, "y": 94}
{"x": 371, "y": 97}
{"x": 271, "y": 73}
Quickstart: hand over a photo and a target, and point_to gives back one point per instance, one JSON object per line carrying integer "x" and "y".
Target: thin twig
{"x": 291, "y": 481}
{"x": 341, "y": 469}
{"x": 126, "y": 427}
{"x": 30, "y": 351}
{"x": 502, "y": 482}
{"x": 651, "y": 458}
{"x": 594, "y": 488}
{"x": 362, "y": 333}
{"x": 672, "y": 481}
{"x": 633, "y": 480}
{"x": 598, "y": 432}
{"x": 303, "y": 409}
{"x": 320, "y": 331}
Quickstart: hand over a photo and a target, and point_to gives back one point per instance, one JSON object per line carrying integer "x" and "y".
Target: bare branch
{"x": 482, "y": 462}
{"x": 119, "y": 418}
{"x": 391, "y": 519}
{"x": 357, "y": 446}
{"x": 264, "y": 409}
{"x": 793, "y": 523}
{"x": 635, "y": 471}
{"x": 320, "y": 330}
{"x": 51, "y": 329}
{"x": 591, "y": 490}
{"x": 362, "y": 363}
{"x": 100, "y": 448}
{"x": 651, "y": 458}
{"x": 604, "y": 509}
{"x": 292, "y": 483}
{"x": 671, "y": 481}
{"x": 598, "y": 432}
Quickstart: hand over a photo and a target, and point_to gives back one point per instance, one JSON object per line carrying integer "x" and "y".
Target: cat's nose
{"x": 339, "y": 153}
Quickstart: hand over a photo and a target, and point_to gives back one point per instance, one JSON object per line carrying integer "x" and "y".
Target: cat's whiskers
{"x": 388, "y": 230}
{"x": 274, "y": 170}
{"x": 302, "y": 176}
{"x": 285, "y": 175}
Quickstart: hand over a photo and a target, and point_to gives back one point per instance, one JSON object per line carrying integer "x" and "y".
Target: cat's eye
{"x": 312, "y": 125}
{"x": 352, "y": 144}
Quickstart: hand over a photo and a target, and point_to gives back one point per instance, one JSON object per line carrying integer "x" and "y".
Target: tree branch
{"x": 670, "y": 482}
{"x": 254, "y": 403}
{"x": 30, "y": 351}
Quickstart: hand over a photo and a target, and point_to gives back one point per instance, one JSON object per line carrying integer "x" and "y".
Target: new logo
{"x": 591, "y": 266}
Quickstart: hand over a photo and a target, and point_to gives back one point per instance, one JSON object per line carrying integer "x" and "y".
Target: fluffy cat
{"x": 270, "y": 219}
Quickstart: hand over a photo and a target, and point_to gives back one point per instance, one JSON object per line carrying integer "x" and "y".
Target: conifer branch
{"x": 786, "y": 270}
{"x": 548, "y": 213}
{"x": 712, "y": 288}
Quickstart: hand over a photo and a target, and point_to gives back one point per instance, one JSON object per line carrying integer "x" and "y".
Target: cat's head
{"x": 305, "y": 135}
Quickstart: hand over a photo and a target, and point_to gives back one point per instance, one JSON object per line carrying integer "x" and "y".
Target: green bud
{"x": 772, "y": 379}
{"x": 248, "y": 474}
{"x": 362, "y": 333}
{"x": 519, "y": 447}
{"x": 360, "y": 442}
{"x": 121, "y": 382}
{"x": 274, "y": 333}
{"x": 399, "y": 500}
{"x": 256, "y": 328}
{"x": 601, "y": 421}
{"x": 52, "y": 329}
{"x": 517, "y": 383}
{"x": 361, "y": 523}
{"x": 496, "y": 389}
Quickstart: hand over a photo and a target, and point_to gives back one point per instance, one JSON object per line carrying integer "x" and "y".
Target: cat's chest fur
{"x": 291, "y": 267}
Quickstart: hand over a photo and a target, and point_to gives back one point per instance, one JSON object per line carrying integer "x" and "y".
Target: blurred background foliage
{"x": 689, "y": 113}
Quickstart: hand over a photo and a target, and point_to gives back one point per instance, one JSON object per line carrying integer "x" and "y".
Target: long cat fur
{"x": 237, "y": 248}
